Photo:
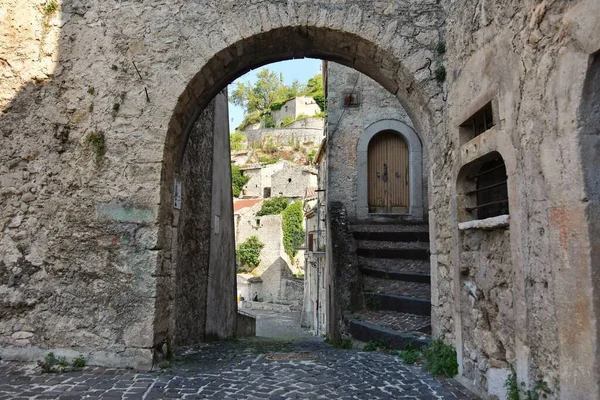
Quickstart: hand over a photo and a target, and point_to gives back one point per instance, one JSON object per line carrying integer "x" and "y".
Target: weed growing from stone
{"x": 345, "y": 344}
{"x": 540, "y": 389}
{"x": 164, "y": 364}
{"x": 96, "y": 144}
{"x": 78, "y": 362}
{"x": 441, "y": 48}
{"x": 374, "y": 345}
{"x": 512, "y": 388}
{"x": 440, "y": 74}
{"x": 91, "y": 91}
{"x": 51, "y": 7}
{"x": 440, "y": 359}
{"x": 53, "y": 364}
{"x": 410, "y": 356}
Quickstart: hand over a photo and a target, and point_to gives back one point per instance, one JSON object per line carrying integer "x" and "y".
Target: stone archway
{"x": 378, "y": 51}
{"x": 415, "y": 165}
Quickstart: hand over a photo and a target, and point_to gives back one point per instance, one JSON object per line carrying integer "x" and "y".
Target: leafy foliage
{"x": 287, "y": 121}
{"x": 96, "y": 143}
{"x": 269, "y": 121}
{"x": 540, "y": 389}
{"x": 269, "y": 90}
{"x": 265, "y": 159}
{"x": 52, "y": 364}
{"x": 512, "y": 388}
{"x": 79, "y": 362}
{"x": 440, "y": 359}
{"x": 293, "y": 231}
{"x": 273, "y": 206}
{"x": 248, "y": 252}
{"x": 315, "y": 89}
{"x": 238, "y": 180}
{"x": 51, "y": 7}
{"x": 311, "y": 156}
{"x": 237, "y": 140}
{"x": 374, "y": 345}
{"x": 410, "y": 356}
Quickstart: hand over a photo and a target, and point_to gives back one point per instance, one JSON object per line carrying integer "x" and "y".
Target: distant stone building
{"x": 302, "y": 132}
{"x": 260, "y": 183}
{"x": 291, "y": 181}
{"x": 275, "y": 268}
{"x": 294, "y": 108}
{"x": 314, "y": 312}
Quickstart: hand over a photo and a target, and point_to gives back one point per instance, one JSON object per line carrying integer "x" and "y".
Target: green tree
{"x": 248, "y": 252}
{"x": 267, "y": 94}
{"x": 273, "y": 206}
{"x": 260, "y": 95}
{"x": 237, "y": 180}
{"x": 293, "y": 229}
{"x": 238, "y": 141}
{"x": 316, "y": 90}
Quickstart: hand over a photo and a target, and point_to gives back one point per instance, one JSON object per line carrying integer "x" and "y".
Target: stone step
{"x": 416, "y": 227}
{"x": 397, "y": 287}
{"x": 397, "y": 330}
{"x": 401, "y": 266}
{"x": 398, "y": 250}
{"x": 398, "y": 276}
{"x": 398, "y": 303}
{"x": 393, "y": 236}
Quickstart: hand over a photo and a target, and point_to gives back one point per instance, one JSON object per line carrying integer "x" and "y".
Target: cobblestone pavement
{"x": 256, "y": 368}
{"x": 276, "y": 324}
{"x": 400, "y": 322}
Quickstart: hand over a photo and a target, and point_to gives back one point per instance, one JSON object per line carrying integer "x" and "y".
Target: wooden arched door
{"x": 389, "y": 190}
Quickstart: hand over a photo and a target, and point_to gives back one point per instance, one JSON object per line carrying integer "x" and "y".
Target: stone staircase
{"x": 394, "y": 262}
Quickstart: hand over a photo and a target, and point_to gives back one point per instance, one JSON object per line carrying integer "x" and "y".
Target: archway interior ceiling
{"x": 279, "y": 45}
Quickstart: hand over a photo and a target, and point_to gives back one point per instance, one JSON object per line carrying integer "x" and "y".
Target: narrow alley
{"x": 257, "y": 368}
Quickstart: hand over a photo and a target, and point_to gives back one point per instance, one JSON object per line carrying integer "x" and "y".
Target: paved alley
{"x": 257, "y": 368}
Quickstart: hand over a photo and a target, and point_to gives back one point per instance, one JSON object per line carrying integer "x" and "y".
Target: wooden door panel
{"x": 388, "y": 174}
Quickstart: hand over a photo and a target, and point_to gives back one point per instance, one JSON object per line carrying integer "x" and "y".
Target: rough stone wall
{"x": 530, "y": 60}
{"x": 269, "y": 232}
{"x": 193, "y": 222}
{"x": 81, "y": 81}
{"x": 306, "y": 131}
{"x": 292, "y": 181}
{"x": 486, "y": 306}
{"x": 221, "y": 310}
{"x": 254, "y": 186}
{"x": 347, "y": 124}
{"x": 108, "y": 223}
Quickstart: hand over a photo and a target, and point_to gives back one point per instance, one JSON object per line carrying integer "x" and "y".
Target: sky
{"x": 302, "y": 69}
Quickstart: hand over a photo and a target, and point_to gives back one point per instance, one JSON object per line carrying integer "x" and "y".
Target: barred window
{"x": 480, "y": 122}
{"x": 491, "y": 191}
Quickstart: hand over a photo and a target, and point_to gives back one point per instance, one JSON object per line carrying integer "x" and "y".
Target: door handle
{"x": 397, "y": 174}
{"x": 378, "y": 175}
{"x": 385, "y": 172}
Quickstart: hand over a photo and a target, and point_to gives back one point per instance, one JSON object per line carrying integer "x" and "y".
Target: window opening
{"x": 480, "y": 122}
{"x": 491, "y": 190}
{"x": 351, "y": 100}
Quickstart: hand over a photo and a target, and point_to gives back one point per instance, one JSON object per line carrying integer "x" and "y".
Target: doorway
{"x": 388, "y": 176}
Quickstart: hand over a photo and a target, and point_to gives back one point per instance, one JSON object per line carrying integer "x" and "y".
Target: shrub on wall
{"x": 238, "y": 141}
{"x": 238, "y": 180}
{"x": 248, "y": 252}
{"x": 293, "y": 229}
{"x": 273, "y": 206}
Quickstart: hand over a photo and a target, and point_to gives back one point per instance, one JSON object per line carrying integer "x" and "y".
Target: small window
{"x": 310, "y": 241}
{"x": 267, "y": 192}
{"x": 480, "y": 122}
{"x": 491, "y": 192}
{"x": 257, "y": 222}
{"x": 351, "y": 100}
